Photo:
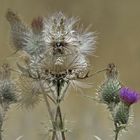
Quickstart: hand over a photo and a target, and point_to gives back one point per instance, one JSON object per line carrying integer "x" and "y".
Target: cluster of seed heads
{"x": 52, "y": 49}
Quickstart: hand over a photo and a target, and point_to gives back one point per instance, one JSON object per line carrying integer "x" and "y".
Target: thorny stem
{"x": 116, "y": 135}
{"x": 117, "y": 130}
{"x": 88, "y": 76}
{"x": 50, "y": 112}
{"x": 58, "y": 116}
{"x": 1, "y": 123}
{"x": 2, "y": 115}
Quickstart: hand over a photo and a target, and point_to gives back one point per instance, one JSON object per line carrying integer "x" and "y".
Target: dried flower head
{"x": 55, "y": 39}
{"x": 56, "y": 51}
{"x": 129, "y": 96}
{"x": 62, "y": 36}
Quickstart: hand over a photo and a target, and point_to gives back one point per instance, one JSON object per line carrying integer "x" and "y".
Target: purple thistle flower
{"x": 129, "y": 96}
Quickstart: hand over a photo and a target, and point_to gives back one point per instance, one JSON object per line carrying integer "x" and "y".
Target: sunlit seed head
{"x": 62, "y": 36}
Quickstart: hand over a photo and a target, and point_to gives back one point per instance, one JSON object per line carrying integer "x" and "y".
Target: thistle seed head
{"x": 62, "y": 36}
{"x": 56, "y": 49}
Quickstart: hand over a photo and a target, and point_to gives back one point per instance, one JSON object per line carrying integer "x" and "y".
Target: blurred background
{"x": 117, "y": 25}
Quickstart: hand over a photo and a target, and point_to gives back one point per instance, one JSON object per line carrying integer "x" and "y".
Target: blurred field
{"x": 117, "y": 24}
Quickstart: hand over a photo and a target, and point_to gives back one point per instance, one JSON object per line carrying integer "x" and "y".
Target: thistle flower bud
{"x": 109, "y": 91}
{"x": 8, "y": 89}
{"x": 121, "y": 115}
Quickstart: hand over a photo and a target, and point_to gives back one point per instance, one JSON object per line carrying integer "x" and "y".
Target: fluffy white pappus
{"x": 59, "y": 28}
{"x": 87, "y": 42}
{"x": 34, "y": 43}
{"x": 19, "y": 31}
{"x": 79, "y": 65}
{"x": 75, "y": 63}
{"x": 79, "y": 85}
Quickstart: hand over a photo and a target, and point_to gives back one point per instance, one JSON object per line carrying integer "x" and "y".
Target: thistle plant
{"x": 55, "y": 55}
{"x": 52, "y": 57}
{"x": 117, "y": 98}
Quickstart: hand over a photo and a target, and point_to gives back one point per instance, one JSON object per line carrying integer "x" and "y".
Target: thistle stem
{"x": 1, "y": 123}
{"x": 116, "y": 135}
{"x": 2, "y": 115}
{"x": 58, "y": 115}
{"x": 117, "y": 130}
{"x": 56, "y": 118}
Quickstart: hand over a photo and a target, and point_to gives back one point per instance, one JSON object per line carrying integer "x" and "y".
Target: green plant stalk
{"x": 58, "y": 115}
{"x": 3, "y": 113}
{"x": 56, "y": 118}
{"x": 117, "y": 130}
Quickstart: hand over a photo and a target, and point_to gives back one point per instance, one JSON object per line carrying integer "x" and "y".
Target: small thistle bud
{"x": 12, "y": 17}
{"x": 121, "y": 114}
{"x": 129, "y": 96}
{"x": 109, "y": 91}
{"x": 8, "y": 90}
